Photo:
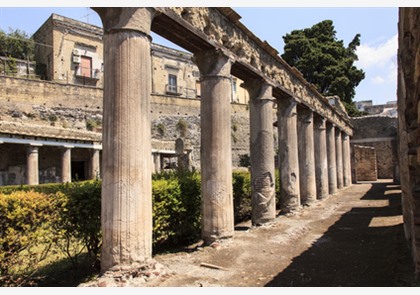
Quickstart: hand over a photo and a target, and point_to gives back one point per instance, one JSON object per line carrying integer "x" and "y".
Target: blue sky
{"x": 377, "y": 26}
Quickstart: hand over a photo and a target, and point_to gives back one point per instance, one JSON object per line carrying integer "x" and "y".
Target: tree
{"x": 16, "y": 44}
{"x": 324, "y": 61}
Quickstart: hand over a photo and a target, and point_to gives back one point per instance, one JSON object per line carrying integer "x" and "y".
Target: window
{"x": 234, "y": 85}
{"x": 86, "y": 66}
{"x": 172, "y": 84}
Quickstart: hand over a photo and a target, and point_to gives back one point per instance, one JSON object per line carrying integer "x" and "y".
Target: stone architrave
{"x": 126, "y": 160}
{"x": 66, "y": 165}
{"x": 346, "y": 160}
{"x": 306, "y": 156}
{"x": 216, "y": 152}
{"x": 332, "y": 161}
{"x": 32, "y": 171}
{"x": 94, "y": 167}
{"x": 321, "y": 162}
{"x": 263, "y": 193}
{"x": 288, "y": 155}
{"x": 339, "y": 157}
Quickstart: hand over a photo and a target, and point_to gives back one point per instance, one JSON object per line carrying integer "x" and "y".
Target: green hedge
{"x": 68, "y": 215}
{"x": 26, "y": 219}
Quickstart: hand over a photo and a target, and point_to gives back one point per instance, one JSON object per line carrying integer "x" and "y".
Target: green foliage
{"x": 161, "y": 129}
{"x": 176, "y": 208}
{"x": 352, "y": 110}
{"x": 67, "y": 217}
{"x": 16, "y": 44}
{"x": 80, "y": 217}
{"x": 25, "y": 223}
{"x": 166, "y": 209}
{"x": 323, "y": 60}
{"x": 182, "y": 127}
{"x": 78, "y": 206}
{"x": 241, "y": 181}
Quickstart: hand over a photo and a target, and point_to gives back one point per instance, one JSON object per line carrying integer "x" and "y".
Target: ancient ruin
{"x": 147, "y": 119}
{"x": 408, "y": 124}
{"x": 221, "y": 46}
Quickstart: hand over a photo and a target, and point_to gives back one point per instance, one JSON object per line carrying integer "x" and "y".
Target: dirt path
{"x": 354, "y": 238}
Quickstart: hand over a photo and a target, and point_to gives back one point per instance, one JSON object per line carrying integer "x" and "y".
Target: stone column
{"x": 288, "y": 155}
{"x": 157, "y": 162}
{"x": 321, "y": 162}
{"x": 32, "y": 170}
{"x": 263, "y": 193}
{"x": 216, "y": 152}
{"x": 306, "y": 154}
{"x": 346, "y": 160}
{"x": 66, "y": 165}
{"x": 126, "y": 155}
{"x": 339, "y": 157}
{"x": 94, "y": 165}
{"x": 332, "y": 161}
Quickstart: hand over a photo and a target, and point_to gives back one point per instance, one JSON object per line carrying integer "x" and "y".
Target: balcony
{"x": 173, "y": 89}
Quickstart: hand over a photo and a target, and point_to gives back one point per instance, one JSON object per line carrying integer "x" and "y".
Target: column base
{"x": 133, "y": 275}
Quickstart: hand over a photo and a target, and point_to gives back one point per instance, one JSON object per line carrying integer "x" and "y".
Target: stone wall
{"x": 80, "y": 107}
{"x": 408, "y": 93}
{"x": 379, "y": 132}
{"x": 365, "y": 163}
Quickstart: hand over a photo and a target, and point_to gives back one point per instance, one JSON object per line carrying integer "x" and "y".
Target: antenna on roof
{"x": 87, "y": 15}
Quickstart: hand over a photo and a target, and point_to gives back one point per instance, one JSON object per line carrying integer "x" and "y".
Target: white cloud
{"x": 378, "y": 80}
{"x": 377, "y": 56}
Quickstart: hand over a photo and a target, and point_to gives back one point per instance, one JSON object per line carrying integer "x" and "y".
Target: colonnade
{"x": 32, "y": 163}
{"x": 311, "y": 149}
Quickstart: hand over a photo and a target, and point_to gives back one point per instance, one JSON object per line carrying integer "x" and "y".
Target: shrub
{"x": 166, "y": 209}
{"x": 25, "y": 223}
{"x": 241, "y": 181}
{"x": 176, "y": 208}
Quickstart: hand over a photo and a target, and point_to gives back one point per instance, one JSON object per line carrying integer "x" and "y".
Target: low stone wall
{"x": 379, "y": 132}
{"x": 365, "y": 163}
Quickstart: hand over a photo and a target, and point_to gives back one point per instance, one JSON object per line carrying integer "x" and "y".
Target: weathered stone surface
{"x": 365, "y": 163}
{"x": 32, "y": 173}
{"x": 288, "y": 155}
{"x": 66, "y": 165}
{"x": 224, "y": 30}
{"x": 379, "y": 132}
{"x": 339, "y": 158}
{"x": 262, "y": 152}
{"x": 126, "y": 177}
{"x": 346, "y": 160}
{"x": 408, "y": 114}
{"x": 216, "y": 155}
{"x": 332, "y": 160}
{"x": 306, "y": 151}
{"x": 321, "y": 161}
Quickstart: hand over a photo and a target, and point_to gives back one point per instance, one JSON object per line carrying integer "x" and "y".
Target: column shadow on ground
{"x": 352, "y": 253}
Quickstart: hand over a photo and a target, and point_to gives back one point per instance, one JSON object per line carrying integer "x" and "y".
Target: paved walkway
{"x": 354, "y": 238}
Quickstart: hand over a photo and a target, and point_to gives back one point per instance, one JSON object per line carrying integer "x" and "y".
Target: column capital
{"x": 305, "y": 115}
{"x": 337, "y": 132}
{"x": 215, "y": 63}
{"x": 259, "y": 89}
{"x": 320, "y": 123}
{"x": 126, "y": 18}
{"x": 287, "y": 106}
